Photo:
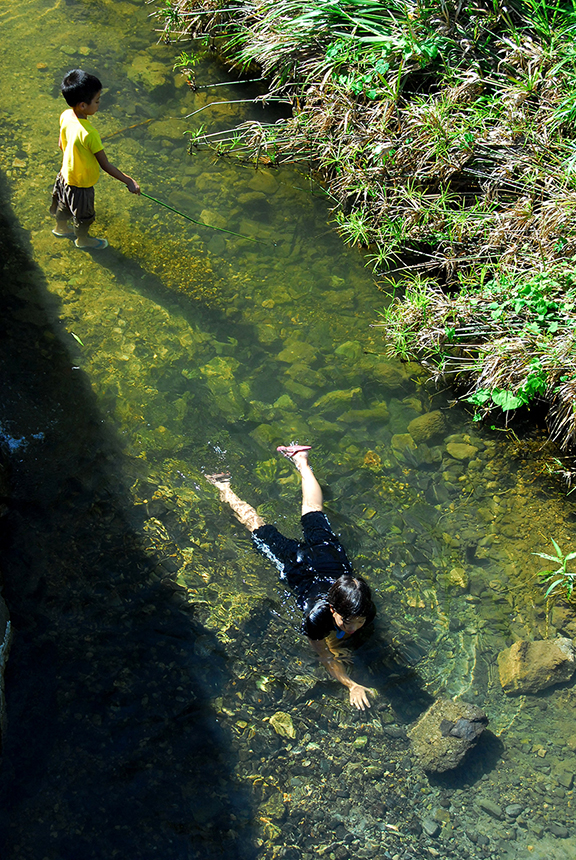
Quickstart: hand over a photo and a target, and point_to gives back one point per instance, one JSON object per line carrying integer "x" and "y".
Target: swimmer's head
{"x": 350, "y": 598}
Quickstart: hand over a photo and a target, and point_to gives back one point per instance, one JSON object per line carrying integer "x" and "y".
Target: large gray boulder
{"x": 442, "y": 736}
{"x": 528, "y": 667}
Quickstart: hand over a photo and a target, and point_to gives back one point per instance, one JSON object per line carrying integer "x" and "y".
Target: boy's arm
{"x": 60, "y": 142}
{"x": 117, "y": 174}
{"x": 358, "y": 693}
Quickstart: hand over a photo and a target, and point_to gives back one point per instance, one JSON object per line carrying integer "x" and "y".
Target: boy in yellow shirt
{"x": 73, "y": 194}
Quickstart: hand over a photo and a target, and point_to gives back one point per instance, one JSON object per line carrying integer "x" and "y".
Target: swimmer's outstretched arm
{"x": 245, "y": 513}
{"x": 358, "y": 693}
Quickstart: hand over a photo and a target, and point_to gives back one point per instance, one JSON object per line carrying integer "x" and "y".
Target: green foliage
{"x": 560, "y": 581}
{"x": 446, "y": 134}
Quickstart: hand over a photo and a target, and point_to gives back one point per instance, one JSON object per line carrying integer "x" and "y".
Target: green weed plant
{"x": 561, "y": 581}
{"x": 445, "y": 136}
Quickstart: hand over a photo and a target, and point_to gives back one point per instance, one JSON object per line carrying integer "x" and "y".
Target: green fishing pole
{"x": 201, "y": 223}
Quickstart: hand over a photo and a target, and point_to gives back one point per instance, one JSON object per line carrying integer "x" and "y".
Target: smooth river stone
{"x": 461, "y": 450}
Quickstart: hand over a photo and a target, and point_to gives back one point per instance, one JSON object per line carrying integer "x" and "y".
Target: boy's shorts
{"x": 319, "y": 555}
{"x": 70, "y": 201}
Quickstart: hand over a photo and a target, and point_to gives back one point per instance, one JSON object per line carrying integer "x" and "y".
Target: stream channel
{"x": 151, "y": 644}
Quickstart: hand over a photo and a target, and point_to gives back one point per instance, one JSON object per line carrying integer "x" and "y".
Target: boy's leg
{"x": 312, "y": 499}
{"x": 61, "y": 211}
{"x": 245, "y": 513}
{"x": 82, "y": 205}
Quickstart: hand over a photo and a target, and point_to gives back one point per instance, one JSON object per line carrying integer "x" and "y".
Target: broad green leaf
{"x": 506, "y": 400}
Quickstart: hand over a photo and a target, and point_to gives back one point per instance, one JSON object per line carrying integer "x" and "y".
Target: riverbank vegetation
{"x": 444, "y": 134}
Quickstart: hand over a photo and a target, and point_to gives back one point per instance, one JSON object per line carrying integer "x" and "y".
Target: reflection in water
{"x": 152, "y": 646}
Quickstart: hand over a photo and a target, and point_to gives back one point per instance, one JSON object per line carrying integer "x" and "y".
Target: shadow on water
{"x": 112, "y": 747}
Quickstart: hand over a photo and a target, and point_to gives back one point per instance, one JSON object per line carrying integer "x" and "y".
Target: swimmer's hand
{"x": 359, "y": 696}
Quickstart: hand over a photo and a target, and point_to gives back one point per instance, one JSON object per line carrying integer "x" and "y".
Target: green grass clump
{"x": 445, "y": 136}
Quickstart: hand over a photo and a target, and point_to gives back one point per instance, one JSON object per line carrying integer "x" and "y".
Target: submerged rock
{"x": 283, "y": 725}
{"x": 351, "y": 350}
{"x": 528, "y": 667}
{"x": 461, "y": 450}
{"x": 424, "y": 427}
{"x": 401, "y": 443}
{"x": 335, "y": 400}
{"x": 445, "y": 732}
{"x": 389, "y": 375}
{"x": 148, "y": 73}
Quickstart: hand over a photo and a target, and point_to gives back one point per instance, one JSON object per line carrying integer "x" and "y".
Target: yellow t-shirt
{"x": 80, "y": 142}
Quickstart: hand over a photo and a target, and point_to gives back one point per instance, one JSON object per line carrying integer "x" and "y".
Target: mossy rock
{"x": 352, "y": 350}
{"x": 426, "y": 426}
{"x": 274, "y": 808}
{"x": 402, "y": 442}
{"x": 282, "y": 724}
{"x": 461, "y": 450}
{"x": 379, "y": 412}
{"x": 149, "y": 74}
{"x": 389, "y": 375}
{"x": 337, "y": 400}
{"x": 297, "y": 351}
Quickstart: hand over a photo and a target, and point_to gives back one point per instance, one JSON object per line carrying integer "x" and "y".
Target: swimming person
{"x": 335, "y": 601}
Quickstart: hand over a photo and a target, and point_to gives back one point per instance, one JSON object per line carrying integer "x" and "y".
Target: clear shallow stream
{"x": 151, "y": 645}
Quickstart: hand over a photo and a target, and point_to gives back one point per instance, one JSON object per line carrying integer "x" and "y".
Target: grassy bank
{"x": 445, "y": 136}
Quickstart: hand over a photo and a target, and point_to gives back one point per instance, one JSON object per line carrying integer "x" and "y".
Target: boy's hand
{"x": 133, "y": 186}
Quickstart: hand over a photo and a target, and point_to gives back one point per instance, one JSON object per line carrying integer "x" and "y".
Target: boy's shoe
{"x": 69, "y": 235}
{"x": 99, "y": 245}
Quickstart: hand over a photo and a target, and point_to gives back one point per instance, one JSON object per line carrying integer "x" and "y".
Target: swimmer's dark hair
{"x": 350, "y": 597}
{"x": 79, "y": 86}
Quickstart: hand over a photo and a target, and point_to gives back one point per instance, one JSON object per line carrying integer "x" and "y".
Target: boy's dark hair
{"x": 79, "y": 86}
{"x": 350, "y": 597}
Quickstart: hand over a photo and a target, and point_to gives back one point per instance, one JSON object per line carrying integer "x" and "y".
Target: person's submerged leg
{"x": 245, "y": 513}
{"x": 312, "y": 499}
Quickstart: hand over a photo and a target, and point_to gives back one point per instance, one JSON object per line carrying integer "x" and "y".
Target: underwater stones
{"x": 305, "y": 375}
{"x": 297, "y": 351}
{"x": 301, "y": 391}
{"x": 282, "y": 724}
{"x": 263, "y": 181}
{"x": 442, "y": 736}
{"x": 284, "y": 402}
{"x": 167, "y": 128}
{"x": 213, "y": 219}
{"x": 461, "y": 450}
{"x": 322, "y": 427}
{"x": 456, "y": 580}
{"x": 491, "y": 808}
{"x": 336, "y": 400}
{"x": 352, "y": 350}
{"x": 564, "y": 620}
{"x": 379, "y": 412}
{"x": 219, "y": 376}
{"x": 210, "y": 182}
{"x": 425, "y": 426}
{"x": 148, "y": 73}
{"x": 250, "y": 197}
{"x": 401, "y": 443}
{"x": 342, "y": 299}
{"x": 389, "y": 375}
{"x": 267, "y": 333}
{"x": 274, "y": 807}
{"x": 528, "y": 667}
{"x": 265, "y": 435}
{"x": 430, "y": 826}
